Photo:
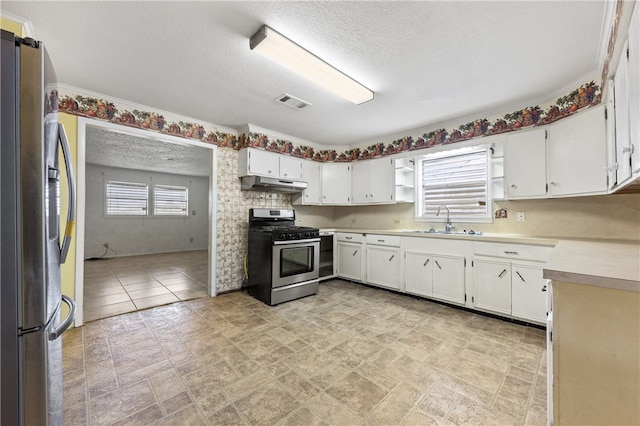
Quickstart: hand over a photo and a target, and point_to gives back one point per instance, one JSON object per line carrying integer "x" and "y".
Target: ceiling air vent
{"x": 292, "y": 101}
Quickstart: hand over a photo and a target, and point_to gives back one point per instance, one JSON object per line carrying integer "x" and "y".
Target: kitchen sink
{"x": 434, "y": 231}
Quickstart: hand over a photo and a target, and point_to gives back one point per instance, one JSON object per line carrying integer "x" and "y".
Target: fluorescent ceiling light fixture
{"x": 280, "y": 49}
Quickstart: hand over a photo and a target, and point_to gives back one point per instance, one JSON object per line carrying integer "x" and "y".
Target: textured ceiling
{"x": 115, "y": 149}
{"x": 426, "y": 61}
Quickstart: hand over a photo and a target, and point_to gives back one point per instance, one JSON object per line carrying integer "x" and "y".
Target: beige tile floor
{"x": 351, "y": 355}
{"x": 127, "y": 284}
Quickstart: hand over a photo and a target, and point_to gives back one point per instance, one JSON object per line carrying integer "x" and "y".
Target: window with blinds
{"x": 127, "y": 199}
{"x": 456, "y": 180}
{"x": 170, "y": 200}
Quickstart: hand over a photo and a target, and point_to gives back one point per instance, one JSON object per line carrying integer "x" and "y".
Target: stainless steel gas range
{"x": 283, "y": 260}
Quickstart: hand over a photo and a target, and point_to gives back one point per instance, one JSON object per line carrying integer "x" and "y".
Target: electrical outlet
{"x": 520, "y": 217}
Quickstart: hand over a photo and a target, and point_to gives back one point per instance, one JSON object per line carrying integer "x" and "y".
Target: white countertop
{"x": 602, "y": 263}
{"x": 495, "y": 238}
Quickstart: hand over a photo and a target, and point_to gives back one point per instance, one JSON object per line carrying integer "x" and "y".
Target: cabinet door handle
{"x": 355, "y": 252}
{"x": 518, "y": 273}
{"x": 391, "y": 258}
{"x": 514, "y": 186}
{"x": 504, "y": 271}
{"x": 544, "y": 287}
{"x": 425, "y": 262}
{"x": 554, "y": 183}
{"x": 438, "y": 265}
{"x": 628, "y": 149}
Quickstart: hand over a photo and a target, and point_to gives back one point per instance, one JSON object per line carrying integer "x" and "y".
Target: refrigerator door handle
{"x": 67, "y": 322}
{"x": 71, "y": 182}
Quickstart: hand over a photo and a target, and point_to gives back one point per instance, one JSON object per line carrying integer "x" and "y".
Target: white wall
{"x": 129, "y": 236}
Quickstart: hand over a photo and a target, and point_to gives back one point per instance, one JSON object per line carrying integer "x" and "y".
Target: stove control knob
{"x": 282, "y": 236}
{"x": 289, "y": 236}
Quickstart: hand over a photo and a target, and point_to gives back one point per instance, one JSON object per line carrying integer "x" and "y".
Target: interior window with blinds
{"x": 458, "y": 181}
{"x": 170, "y": 200}
{"x": 127, "y": 199}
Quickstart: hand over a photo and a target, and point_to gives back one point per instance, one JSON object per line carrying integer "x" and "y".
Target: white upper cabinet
{"x": 336, "y": 183}
{"x": 382, "y": 180}
{"x": 525, "y": 164}
{"x": 634, "y": 87}
{"x": 360, "y": 185}
{"x": 621, "y": 103}
{"x": 264, "y": 163}
{"x": 257, "y": 162}
{"x": 577, "y": 154}
{"x": 291, "y": 167}
{"x": 312, "y": 174}
{"x": 373, "y": 181}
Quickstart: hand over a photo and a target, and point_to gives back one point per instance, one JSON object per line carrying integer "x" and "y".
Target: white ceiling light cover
{"x": 285, "y": 52}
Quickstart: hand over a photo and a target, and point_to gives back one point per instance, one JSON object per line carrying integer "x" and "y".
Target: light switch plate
{"x": 520, "y": 217}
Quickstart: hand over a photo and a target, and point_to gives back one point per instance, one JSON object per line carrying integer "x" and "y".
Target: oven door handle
{"x": 289, "y": 242}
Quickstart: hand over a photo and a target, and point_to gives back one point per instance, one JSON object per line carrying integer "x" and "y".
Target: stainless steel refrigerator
{"x": 31, "y": 247}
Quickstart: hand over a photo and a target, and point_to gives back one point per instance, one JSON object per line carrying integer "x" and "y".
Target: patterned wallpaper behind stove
{"x": 233, "y": 217}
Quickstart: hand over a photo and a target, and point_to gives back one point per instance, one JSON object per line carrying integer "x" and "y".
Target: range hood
{"x": 261, "y": 183}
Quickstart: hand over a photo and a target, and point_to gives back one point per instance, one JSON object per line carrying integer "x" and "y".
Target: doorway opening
{"x": 146, "y": 220}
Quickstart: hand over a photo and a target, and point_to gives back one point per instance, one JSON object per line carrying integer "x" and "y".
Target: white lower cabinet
{"x": 448, "y": 278}
{"x": 508, "y": 280}
{"x": 383, "y": 261}
{"x": 504, "y": 278}
{"x": 528, "y": 293}
{"x": 434, "y": 268}
{"x": 349, "y": 257}
{"x": 418, "y": 269}
{"x": 383, "y": 266}
{"x": 493, "y": 286}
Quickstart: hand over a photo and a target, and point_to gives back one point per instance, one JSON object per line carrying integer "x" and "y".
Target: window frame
{"x": 109, "y": 214}
{"x": 150, "y": 201}
{"x": 487, "y": 217}
{"x": 154, "y": 201}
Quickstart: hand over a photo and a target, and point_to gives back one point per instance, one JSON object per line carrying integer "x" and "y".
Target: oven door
{"x": 295, "y": 261}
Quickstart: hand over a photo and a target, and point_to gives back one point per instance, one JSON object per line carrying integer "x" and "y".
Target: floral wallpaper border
{"x": 586, "y": 95}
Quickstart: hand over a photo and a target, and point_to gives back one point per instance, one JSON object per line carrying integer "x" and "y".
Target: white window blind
{"x": 170, "y": 200}
{"x": 458, "y": 182}
{"x": 127, "y": 198}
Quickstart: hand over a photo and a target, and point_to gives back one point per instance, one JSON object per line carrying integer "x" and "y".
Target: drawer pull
{"x": 381, "y": 241}
{"x": 425, "y": 262}
{"x": 511, "y": 252}
{"x": 391, "y": 258}
{"x": 504, "y": 271}
{"x": 518, "y": 273}
{"x": 348, "y": 238}
{"x": 355, "y": 252}
{"x": 438, "y": 265}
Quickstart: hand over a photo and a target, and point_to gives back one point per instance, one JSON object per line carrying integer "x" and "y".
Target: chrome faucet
{"x": 448, "y": 227}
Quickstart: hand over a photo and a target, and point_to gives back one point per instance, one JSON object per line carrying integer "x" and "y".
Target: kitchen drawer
{"x": 383, "y": 240}
{"x": 513, "y": 251}
{"x": 350, "y": 238}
